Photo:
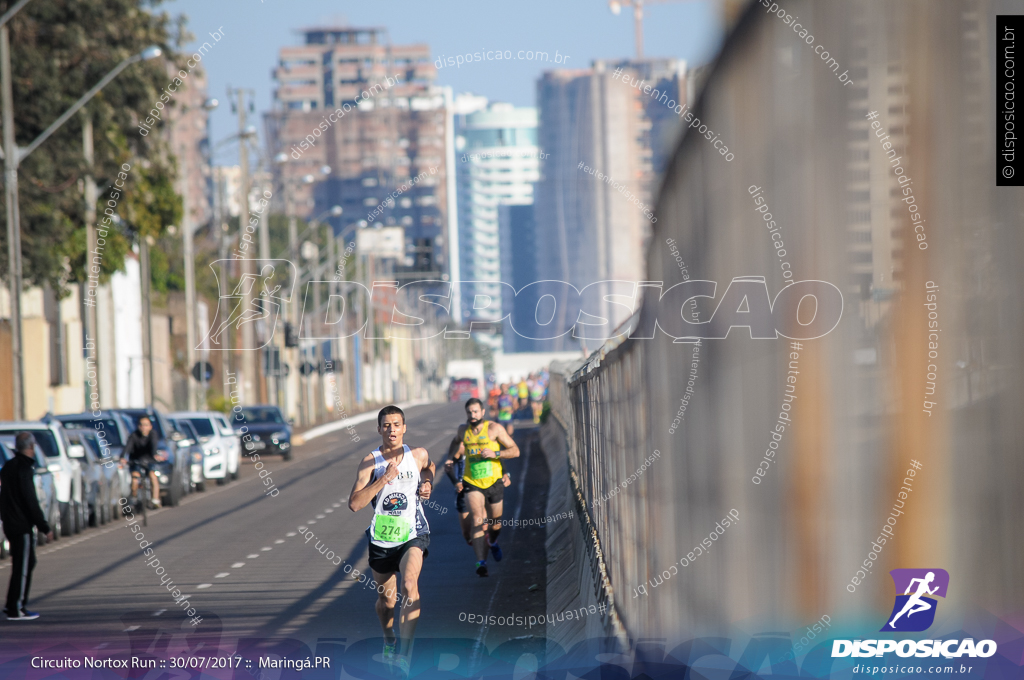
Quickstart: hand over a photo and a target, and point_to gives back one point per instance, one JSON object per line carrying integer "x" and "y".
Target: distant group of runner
{"x": 396, "y": 479}
{"x": 508, "y": 398}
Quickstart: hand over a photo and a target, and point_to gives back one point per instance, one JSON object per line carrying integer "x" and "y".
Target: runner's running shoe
{"x": 496, "y": 551}
{"x": 481, "y": 568}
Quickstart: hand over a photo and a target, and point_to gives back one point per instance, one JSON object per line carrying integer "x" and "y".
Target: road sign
{"x": 272, "y": 360}
{"x": 202, "y": 371}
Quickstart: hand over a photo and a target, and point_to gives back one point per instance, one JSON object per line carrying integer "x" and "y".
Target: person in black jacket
{"x": 19, "y": 512}
{"x": 142, "y": 454}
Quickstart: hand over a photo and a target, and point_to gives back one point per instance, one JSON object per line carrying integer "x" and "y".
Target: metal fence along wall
{"x": 881, "y": 395}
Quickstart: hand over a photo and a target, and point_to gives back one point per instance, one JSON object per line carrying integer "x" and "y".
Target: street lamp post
{"x": 91, "y": 320}
{"x": 248, "y": 378}
{"x": 13, "y": 155}
{"x": 188, "y": 252}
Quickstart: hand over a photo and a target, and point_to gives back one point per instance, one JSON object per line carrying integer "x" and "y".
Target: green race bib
{"x": 391, "y": 529}
{"x": 480, "y": 469}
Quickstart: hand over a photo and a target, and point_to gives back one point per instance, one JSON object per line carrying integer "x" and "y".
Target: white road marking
{"x": 203, "y": 585}
{"x": 223, "y": 574}
{"x": 238, "y": 565}
{"x": 159, "y": 612}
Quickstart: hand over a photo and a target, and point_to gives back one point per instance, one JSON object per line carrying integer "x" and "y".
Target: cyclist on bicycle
{"x": 142, "y": 455}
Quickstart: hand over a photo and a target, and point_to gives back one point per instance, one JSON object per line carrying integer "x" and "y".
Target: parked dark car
{"x": 174, "y": 472}
{"x": 271, "y": 433}
{"x": 101, "y": 484}
{"x": 46, "y": 492}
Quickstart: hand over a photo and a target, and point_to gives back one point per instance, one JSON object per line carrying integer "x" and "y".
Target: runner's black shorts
{"x": 142, "y": 465}
{"x": 388, "y": 560}
{"x": 495, "y": 493}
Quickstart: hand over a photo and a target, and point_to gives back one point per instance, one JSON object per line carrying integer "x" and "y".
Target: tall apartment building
{"x": 875, "y": 214}
{"x": 187, "y": 137}
{"x": 497, "y": 163}
{"x": 587, "y": 228}
{"x": 392, "y": 131}
{"x": 517, "y": 233}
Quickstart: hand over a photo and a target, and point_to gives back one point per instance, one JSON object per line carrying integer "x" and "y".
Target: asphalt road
{"x": 237, "y": 555}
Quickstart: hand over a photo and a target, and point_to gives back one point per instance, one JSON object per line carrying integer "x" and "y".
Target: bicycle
{"x": 143, "y": 493}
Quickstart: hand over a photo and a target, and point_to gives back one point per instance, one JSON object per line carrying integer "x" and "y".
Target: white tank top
{"x": 397, "y": 513}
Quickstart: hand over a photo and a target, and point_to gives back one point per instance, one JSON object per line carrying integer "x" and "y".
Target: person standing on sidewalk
{"x": 19, "y": 512}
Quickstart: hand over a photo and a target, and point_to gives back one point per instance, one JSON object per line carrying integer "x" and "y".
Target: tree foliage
{"x": 60, "y": 49}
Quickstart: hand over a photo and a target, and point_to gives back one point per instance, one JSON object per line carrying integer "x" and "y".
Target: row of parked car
{"x": 81, "y": 475}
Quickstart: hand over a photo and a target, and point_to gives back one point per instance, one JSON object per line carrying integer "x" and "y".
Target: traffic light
{"x": 291, "y": 338}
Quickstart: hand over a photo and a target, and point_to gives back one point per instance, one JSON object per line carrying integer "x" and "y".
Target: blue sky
{"x": 583, "y": 29}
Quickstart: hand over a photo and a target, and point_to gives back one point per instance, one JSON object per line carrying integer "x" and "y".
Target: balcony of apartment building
{"x": 290, "y": 70}
{"x": 347, "y": 71}
{"x": 296, "y": 96}
{"x": 292, "y": 58}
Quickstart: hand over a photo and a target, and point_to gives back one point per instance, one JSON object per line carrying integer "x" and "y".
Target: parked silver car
{"x": 100, "y": 478}
{"x": 192, "y": 440}
{"x": 112, "y": 428}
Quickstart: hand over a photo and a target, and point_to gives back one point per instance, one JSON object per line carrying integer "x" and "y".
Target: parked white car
{"x": 230, "y": 438}
{"x": 221, "y": 452}
{"x": 63, "y": 460}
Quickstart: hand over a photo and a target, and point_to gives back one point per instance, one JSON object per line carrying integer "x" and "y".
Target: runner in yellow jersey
{"x": 483, "y": 444}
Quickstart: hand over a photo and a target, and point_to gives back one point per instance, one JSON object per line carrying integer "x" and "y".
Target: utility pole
{"x": 13, "y": 226}
{"x": 268, "y": 395}
{"x": 295, "y": 353}
{"x": 249, "y": 363}
{"x": 190, "y": 283}
{"x": 91, "y": 320}
{"x": 318, "y": 402}
{"x": 222, "y": 236}
{"x": 147, "y": 321}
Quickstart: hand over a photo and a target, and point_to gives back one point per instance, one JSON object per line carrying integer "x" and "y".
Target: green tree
{"x": 59, "y": 49}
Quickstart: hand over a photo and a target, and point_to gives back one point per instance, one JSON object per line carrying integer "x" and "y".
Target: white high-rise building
{"x": 497, "y": 162}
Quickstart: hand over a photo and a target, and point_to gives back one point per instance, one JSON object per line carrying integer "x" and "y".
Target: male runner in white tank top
{"x": 394, "y": 478}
